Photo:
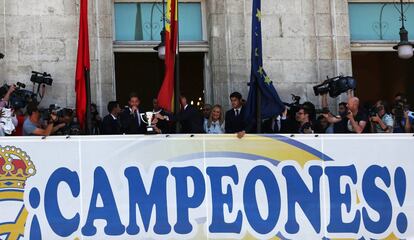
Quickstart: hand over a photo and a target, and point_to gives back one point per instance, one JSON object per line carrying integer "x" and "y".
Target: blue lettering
{"x": 377, "y": 199}
{"x": 184, "y": 202}
{"x": 59, "y": 224}
{"x": 108, "y": 212}
{"x": 336, "y": 224}
{"x": 260, "y": 225}
{"x": 218, "y": 225}
{"x": 156, "y": 197}
{"x": 298, "y": 192}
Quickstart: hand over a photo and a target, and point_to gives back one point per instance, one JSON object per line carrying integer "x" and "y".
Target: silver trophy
{"x": 148, "y": 121}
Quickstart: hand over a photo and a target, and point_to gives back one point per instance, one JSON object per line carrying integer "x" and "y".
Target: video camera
{"x": 335, "y": 86}
{"x": 46, "y": 112}
{"x": 399, "y": 110}
{"x": 293, "y": 106}
{"x": 295, "y": 102}
{"x": 41, "y": 78}
{"x": 20, "y": 97}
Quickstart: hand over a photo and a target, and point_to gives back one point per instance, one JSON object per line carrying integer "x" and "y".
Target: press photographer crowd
{"x": 21, "y": 115}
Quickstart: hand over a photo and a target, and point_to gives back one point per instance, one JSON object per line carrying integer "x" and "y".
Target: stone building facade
{"x": 303, "y": 42}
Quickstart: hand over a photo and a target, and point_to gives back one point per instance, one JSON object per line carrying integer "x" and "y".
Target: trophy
{"x": 148, "y": 121}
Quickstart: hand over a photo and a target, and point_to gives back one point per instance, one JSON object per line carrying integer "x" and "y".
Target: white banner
{"x": 207, "y": 187}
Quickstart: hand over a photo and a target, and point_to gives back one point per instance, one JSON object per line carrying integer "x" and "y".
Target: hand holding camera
{"x": 375, "y": 119}
{"x": 349, "y": 115}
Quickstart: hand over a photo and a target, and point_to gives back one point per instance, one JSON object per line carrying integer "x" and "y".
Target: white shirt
{"x": 138, "y": 115}
{"x": 237, "y": 109}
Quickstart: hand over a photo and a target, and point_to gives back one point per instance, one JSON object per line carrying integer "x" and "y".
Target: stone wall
{"x": 303, "y": 42}
{"x": 40, "y": 35}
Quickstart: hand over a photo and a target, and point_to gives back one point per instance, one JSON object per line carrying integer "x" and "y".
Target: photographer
{"x": 301, "y": 123}
{"x": 339, "y": 124}
{"x": 66, "y": 117}
{"x": 8, "y": 120}
{"x": 32, "y": 124}
{"x": 402, "y": 122}
{"x": 381, "y": 119}
{"x": 4, "y": 101}
{"x": 356, "y": 119}
{"x": 303, "y": 116}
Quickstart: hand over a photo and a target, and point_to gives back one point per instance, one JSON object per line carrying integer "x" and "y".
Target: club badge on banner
{"x": 207, "y": 187}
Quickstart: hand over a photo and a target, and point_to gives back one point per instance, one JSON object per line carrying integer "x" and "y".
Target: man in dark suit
{"x": 131, "y": 122}
{"x": 189, "y": 117}
{"x": 161, "y": 126}
{"x": 235, "y": 120}
{"x": 111, "y": 123}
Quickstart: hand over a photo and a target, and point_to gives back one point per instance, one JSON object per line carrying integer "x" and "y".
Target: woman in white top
{"x": 215, "y": 123}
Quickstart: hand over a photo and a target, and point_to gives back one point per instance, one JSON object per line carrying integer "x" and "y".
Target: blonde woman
{"x": 215, "y": 123}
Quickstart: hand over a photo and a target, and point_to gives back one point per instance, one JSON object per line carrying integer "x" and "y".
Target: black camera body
{"x": 324, "y": 110}
{"x": 41, "y": 78}
{"x": 373, "y": 112}
{"x": 46, "y": 112}
{"x": 20, "y": 97}
{"x": 335, "y": 86}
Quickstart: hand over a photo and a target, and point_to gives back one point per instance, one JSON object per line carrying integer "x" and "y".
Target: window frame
{"x": 147, "y": 46}
{"x": 372, "y": 45}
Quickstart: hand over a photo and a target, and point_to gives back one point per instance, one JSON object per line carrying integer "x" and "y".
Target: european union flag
{"x": 271, "y": 105}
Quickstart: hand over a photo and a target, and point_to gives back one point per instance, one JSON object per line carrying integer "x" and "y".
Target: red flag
{"x": 166, "y": 93}
{"x": 83, "y": 64}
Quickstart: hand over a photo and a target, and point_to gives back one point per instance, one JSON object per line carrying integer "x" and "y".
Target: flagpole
{"x": 177, "y": 71}
{"x": 88, "y": 126}
{"x": 258, "y": 108}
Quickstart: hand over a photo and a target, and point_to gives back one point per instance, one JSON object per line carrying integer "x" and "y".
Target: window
{"x": 142, "y": 21}
{"x": 379, "y": 21}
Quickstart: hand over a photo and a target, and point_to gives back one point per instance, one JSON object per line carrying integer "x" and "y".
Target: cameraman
{"x": 339, "y": 124}
{"x": 8, "y": 120}
{"x": 32, "y": 125}
{"x": 356, "y": 119}
{"x": 381, "y": 119}
{"x": 5, "y": 100}
{"x": 402, "y": 122}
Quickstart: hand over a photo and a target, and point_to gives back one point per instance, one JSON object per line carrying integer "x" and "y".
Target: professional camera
{"x": 20, "y": 97}
{"x": 400, "y": 109}
{"x": 335, "y": 86}
{"x": 46, "y": 112}
{"x": 324, "y": 110}
{"x": 41, "y": 78}
{"x": 295, "y": 104}
{"x": 373, "y": 111}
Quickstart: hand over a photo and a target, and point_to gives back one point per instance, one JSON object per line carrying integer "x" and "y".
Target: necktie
{"x": 139, "y": 118}
{"x": 136, "y": 116}
{"x": 237, "y": 112}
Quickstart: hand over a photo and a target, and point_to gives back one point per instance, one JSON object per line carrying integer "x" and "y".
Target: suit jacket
{"x": 111, "y": 126}
{"x": 164, "y": 125}
{"x": 190, "y": 119}
{"x": 235, "y": 123}
{"x": 129, "y": 123}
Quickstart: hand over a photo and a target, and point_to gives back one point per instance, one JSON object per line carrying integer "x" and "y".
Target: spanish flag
{"x": 166, "y": 93}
